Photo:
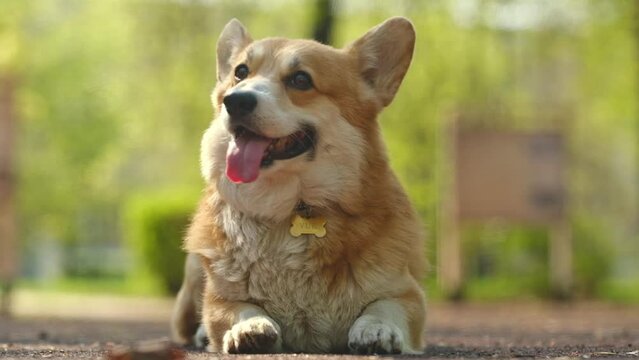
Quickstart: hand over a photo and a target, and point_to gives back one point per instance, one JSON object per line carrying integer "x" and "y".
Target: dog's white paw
{"x": 370, "y": 335}
{"x": 256, "y": 335}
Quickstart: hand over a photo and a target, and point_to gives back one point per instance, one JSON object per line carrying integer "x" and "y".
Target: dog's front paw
{"x": 257, "y": 335}
{"x": 370, "y": 335}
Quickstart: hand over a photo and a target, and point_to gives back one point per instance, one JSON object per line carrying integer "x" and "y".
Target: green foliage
{"x": 512, "y": 261}
{"x": 593, "y": 254}
{"x": 139, "y": 286}
{"x": 624, "y": 290}
{"x": 503, "y": 261}
{"x": 155, "y": 225}
{"x": 114, "y": 96}
{"x": 551, "y": 77}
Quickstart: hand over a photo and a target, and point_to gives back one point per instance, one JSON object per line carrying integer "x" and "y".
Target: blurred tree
{"x": 522, "y": 65}
{"x": 324, "y": 19}
{"x": 8, "y": 241}
{"x": 636, "y": 31}
{"x": 10, "y": 52}
{"x": 114, "y": 96}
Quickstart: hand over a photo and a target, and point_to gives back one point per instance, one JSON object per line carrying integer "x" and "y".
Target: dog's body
{"x": 296, "y": 136}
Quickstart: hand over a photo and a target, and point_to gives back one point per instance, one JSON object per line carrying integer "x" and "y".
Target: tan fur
{"x": 357, "y": 289}
{"x": 186, "y": 313}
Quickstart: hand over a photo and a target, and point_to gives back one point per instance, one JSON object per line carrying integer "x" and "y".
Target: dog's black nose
{"x": 240, "y": 103}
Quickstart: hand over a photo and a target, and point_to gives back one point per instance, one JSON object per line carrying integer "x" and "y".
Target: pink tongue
{"x": 244, "y": 156}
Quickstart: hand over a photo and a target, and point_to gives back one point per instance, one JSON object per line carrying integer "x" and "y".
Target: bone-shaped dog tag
{"x": 311, "y": 226}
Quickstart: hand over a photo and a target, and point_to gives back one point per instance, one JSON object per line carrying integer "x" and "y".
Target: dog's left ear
{"x": 384, "y": 54}
{"x": 234, "y": 38}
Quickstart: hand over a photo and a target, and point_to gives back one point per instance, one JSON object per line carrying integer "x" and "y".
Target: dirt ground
{"x": 514, "y": 330}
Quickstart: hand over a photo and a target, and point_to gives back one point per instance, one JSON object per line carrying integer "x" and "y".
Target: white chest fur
{"x": 264, "y": 265}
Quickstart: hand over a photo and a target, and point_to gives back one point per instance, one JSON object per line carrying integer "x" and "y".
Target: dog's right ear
{"x": 234, "y": 38}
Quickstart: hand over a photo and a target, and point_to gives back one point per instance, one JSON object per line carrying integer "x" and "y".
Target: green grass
{"x": 624, "y": 291}
{"x": 488, "y": 289}
{"x": 119, "y": 286}
{"x": 484, "y": 290}
{"x": 502, "y": 288}
{"x": 620, "y": 290}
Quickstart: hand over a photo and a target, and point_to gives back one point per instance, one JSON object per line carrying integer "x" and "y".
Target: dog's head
{"x": 297, "y": 119}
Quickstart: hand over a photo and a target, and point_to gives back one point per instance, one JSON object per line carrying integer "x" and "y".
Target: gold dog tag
{"x": 312, "y": 226}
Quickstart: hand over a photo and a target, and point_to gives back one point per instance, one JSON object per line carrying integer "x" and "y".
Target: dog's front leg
{"x": 390, "y": 326}
{"x": 185, "y": 320}
{"x": 240, "y": 328}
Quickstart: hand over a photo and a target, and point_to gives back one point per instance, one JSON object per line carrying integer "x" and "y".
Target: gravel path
{"x": 529, "y": 330}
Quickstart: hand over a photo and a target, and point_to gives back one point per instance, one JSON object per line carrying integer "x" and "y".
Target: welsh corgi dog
{"x": 304, "y": 240}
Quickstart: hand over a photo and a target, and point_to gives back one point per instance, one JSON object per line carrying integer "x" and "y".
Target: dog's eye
{"x": 300, "y": 80}
{"x": 241, "y": 72}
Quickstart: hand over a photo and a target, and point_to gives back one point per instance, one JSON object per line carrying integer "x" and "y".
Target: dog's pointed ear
{"x": 234, "y": 38}
{"x": 384, "y": 54}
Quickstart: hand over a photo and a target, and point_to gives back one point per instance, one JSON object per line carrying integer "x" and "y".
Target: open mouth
{"x": 248, "y": 151}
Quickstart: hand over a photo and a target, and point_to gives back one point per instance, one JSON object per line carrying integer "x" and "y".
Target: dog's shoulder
{"x": 377, "y": 246}
{"x": 204, "y": 234}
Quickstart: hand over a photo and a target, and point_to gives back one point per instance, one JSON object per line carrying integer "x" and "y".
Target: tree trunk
{"x": 636, "y": 30}
{"x": 8, "y": 243}
{"x": 324, "y": 18}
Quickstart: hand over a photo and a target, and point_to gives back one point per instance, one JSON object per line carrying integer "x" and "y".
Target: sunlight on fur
{"x": 296, "y": 134}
